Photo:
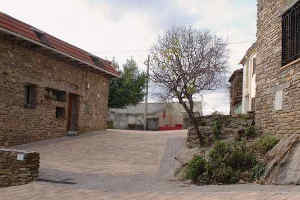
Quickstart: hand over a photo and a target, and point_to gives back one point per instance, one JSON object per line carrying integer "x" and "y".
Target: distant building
{"x": 163, "y": 116}
{"x": 249, "y": 79}
{"x": 236, "y": 91}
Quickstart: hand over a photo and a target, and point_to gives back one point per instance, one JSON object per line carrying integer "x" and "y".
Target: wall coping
{"x": 287, "y": 66}
{"x": 16, "y": 151}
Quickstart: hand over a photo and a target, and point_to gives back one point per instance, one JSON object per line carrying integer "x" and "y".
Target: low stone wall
{"x": 18, "y": 167}
{"x": 231, "y": 125}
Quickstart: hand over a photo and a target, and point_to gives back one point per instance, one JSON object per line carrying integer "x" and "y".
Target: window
{"x": 30, "y": 96}
{"x": 291, "y": 34}
{"x": 56, "y": 95}
{"x": 60, "y": 113}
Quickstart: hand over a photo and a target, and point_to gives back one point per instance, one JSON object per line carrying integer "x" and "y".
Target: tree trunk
{"x": 193, "y": 119}
{"x": 196, "y": 127}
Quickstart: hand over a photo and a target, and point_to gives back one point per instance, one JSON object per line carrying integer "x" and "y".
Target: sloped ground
{"x": 124, "y": 165}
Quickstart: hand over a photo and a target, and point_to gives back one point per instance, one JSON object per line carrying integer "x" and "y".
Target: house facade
{"x": 160, "y": 116}
{"x": 48, "y": 88}
{"x": 249, "y": 80}
{"x": 236, "y": 91}
{"x": 278, "y": 66}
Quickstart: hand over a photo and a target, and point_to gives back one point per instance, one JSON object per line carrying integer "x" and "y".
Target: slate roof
{"x": 27, "y": 32}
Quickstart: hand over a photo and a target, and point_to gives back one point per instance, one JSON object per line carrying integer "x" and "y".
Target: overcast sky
{"x": 128, "y": 28}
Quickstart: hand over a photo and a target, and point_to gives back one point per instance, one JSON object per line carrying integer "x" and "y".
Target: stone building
{"x": 249, "y": 79}
{"x": 48, "y": 88}
{"x": 278, "y": 66}
{"x": 236, "y": 91}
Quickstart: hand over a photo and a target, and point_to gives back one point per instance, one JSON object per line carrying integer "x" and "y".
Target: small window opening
{"x": 60, "y": 113}
{"x": 56, "y": 95}
{"x": 30, "y": 96}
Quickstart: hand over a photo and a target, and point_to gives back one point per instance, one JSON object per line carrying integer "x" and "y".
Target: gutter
{"x": 56, "y": 51}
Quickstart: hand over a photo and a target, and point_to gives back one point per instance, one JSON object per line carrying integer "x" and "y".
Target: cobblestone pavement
{"x": 124, "y": 165}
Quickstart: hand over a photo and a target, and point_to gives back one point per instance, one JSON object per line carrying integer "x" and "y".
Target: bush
{"x": 195, "y": 168}
{"x": 226, "y": 163}
{"x": 250, "y": 131}
{"x": 258, "y": 170}
{"x": 265, "y": 143}
{"x": 217, "y": 129}
{"x": 241, "y": 158}
{"x": 219, "y": 152}
{"x": 222, "y": 174}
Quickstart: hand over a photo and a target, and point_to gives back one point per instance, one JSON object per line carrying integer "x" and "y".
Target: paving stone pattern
{"x": 124, "y": 165}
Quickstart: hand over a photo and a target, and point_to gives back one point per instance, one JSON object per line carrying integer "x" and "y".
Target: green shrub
{"x": 250, "y": 131}
{"x": 195, "y": 168}
{"x": 240, "y": 157}
{"x": 217, "y": 129}
{"x": 265, "y": 143}
{"x": 258, "y": 170}
{"x": 219, "y": 152}
{"x": 223, "y": 174}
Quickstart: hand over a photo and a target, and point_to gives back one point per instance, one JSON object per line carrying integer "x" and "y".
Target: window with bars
{"x": 291, "y": 34}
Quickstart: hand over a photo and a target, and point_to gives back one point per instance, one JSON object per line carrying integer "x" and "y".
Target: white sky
{"x": 128, "y": 28}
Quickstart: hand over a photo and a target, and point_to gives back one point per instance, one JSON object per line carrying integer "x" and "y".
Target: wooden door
{"x": 73, "y": 113}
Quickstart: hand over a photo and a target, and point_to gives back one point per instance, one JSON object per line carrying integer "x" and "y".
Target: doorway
{"x": 73, "y": 113}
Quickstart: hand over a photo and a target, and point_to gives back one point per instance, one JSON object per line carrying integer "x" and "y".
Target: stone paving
{"x": 124, "y": 165}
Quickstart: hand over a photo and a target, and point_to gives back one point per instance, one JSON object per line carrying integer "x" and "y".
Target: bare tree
{"x": 186, "y": 61}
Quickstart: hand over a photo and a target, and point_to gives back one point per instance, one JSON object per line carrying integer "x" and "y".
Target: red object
{"x": 13, "y": 25}
{"x": 164, "y": 114}
{"x": 169, "y": 128}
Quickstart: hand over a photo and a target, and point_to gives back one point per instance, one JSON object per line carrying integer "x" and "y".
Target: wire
{"x": 128, "y": 51}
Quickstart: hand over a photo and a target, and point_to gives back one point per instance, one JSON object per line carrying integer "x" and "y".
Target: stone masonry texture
{"x": 272, "y": 76}
{"x": 236, "y": 89}
{"x": 18, "y": 172}
{"x": 23, "y": 63}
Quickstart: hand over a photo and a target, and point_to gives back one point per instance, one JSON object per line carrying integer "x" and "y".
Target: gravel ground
{"x": 117, "y": 164}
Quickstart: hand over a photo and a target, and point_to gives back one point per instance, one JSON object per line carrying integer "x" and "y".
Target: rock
{"x": 185, "y": 155}
{"x": 283, "y": 162}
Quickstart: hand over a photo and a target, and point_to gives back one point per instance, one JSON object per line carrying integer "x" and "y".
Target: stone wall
{"x": 230, "y": 127}
{"x": 236, "y": 90}
{"x": 23, "y": 63}
{"x": 18, "y": 167}
{"x": 278, "y": 87}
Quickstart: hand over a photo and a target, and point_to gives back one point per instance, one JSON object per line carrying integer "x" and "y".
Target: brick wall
{"x": 18, "y": 167}
{"x": 278, "y": 88}
{"x": 22, "y": 63}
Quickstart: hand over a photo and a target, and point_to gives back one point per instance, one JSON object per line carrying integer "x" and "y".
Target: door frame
{"x": 73, "y": 99}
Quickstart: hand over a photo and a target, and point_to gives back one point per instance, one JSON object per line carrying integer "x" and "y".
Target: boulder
{"x": 184, "y": 157}
{"x": 283, "y": 166}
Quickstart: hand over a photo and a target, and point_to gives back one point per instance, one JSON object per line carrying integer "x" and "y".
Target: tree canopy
{"x": 129, "y": 88}
{"x": 185, "y": 61}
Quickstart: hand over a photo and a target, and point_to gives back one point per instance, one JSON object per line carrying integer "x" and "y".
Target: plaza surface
{"x": 116, "y": 164}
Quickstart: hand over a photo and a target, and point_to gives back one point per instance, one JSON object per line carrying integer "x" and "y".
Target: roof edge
{"x": 57, "y": 51}
{"x": 248, "y": 52}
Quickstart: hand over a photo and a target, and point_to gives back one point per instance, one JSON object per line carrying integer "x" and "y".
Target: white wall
{"x": 249, "y": 83}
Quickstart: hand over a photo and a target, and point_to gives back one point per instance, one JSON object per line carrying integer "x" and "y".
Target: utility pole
{"x": 146, "y": 96}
